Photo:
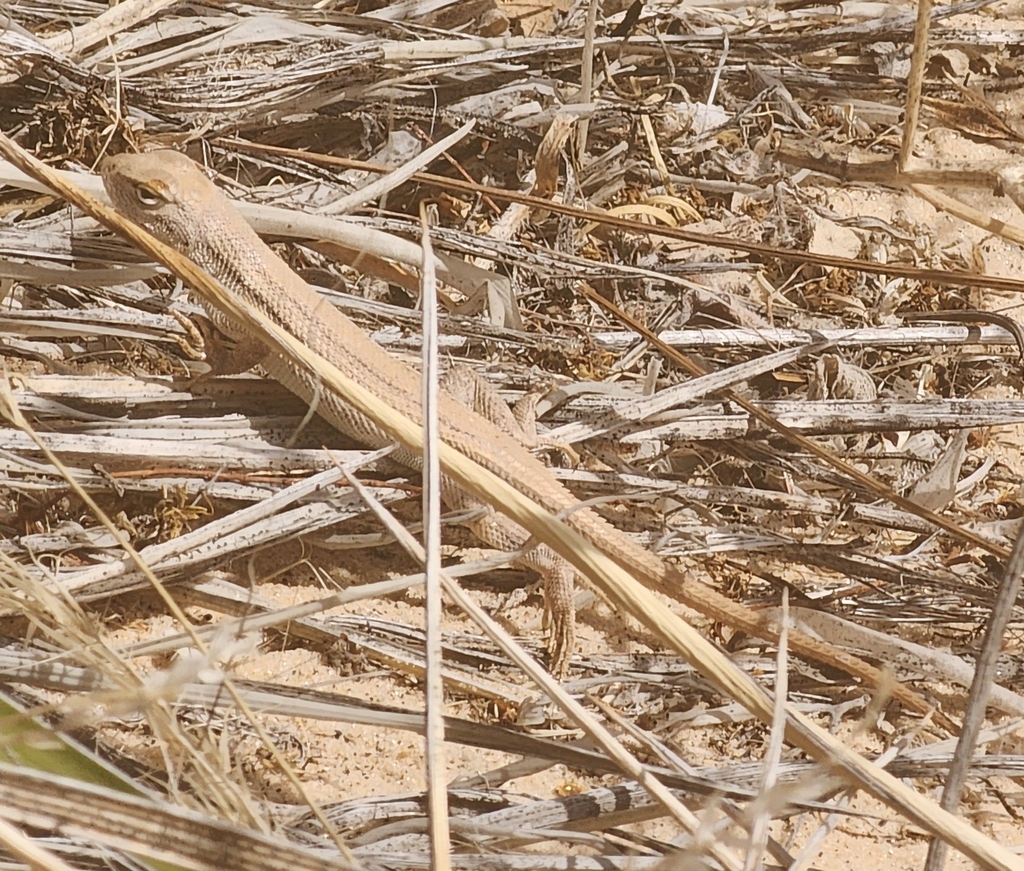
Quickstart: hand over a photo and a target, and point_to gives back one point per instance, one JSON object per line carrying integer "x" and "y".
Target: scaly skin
{"x": 168, "y": 194}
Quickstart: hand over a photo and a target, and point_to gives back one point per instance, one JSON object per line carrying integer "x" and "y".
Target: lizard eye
{"x": 146, "y": 197}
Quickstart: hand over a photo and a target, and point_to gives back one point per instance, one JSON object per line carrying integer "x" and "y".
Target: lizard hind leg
{"x": 467, "y": 388}
{"x": 470, "y": 390}
{"x": 559, "y": 608}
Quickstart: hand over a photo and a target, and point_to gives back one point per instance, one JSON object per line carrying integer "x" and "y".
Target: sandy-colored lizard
{"x": 168, "y": 194}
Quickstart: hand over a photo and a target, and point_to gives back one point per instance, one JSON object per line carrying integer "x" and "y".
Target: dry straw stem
{"x": 599, "y": 568}
{"x": 436, "y": 773}
{"x": 892, "y": 269}
{"x": 160, "y": 831}
{"x": 277, "y": 221}
{"x": 24, "y": 847}
{"x": 121, "y": 16}
{"x": 942, "y": 277}
{"x": 554, "y": 691}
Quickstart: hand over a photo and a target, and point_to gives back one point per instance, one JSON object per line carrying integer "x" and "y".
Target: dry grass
{"x": 665, "y": 215}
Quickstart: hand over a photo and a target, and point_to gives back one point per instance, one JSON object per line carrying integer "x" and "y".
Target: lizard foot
{"x": 560, "y": 617}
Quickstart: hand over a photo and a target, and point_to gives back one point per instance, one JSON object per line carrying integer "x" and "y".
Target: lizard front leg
{"x": 496, "y": 530}
{"x": 229, "y": 351}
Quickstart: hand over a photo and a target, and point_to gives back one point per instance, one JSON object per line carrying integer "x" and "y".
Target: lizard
{"x": 168, "y": 194}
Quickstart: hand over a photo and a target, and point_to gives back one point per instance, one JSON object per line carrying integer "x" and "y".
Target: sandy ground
{"x": 339, "y": 762}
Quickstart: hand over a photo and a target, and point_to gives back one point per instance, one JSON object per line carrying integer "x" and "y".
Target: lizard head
{"x": 163, "y": 191}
